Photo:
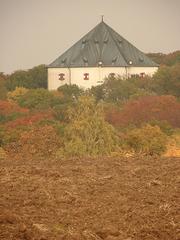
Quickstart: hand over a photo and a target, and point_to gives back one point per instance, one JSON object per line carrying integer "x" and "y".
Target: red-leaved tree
{"x": 145, "y": 109}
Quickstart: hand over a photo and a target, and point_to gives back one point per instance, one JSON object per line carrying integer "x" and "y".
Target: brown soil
{"x": 87, "y": 199}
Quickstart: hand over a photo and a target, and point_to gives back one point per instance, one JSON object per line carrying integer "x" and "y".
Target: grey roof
{"x": 102, "y": 44}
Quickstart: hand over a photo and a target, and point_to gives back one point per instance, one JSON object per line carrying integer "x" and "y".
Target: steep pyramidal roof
{"x": 103, "y": 45}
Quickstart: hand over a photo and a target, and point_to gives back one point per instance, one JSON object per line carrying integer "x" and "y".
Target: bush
{"x": 39, "y": 141}
{"x": 17, "y": 94}
{"x": 10, "y": 135}
{"x": 87, "y": 133}
{"x": 30, "y": 119}
{"x": 147, "y": 139}
{"x": 10, "y": 111}
{"x": 70, "y": 91}
{"x": 60, "y": 112}
{"x": 3, "y": 154}
{"x": 164, "y": 126}
{"x": 8, "y": 108}
{"x": 38, "y": 99}
{"x": 146, "y": 109}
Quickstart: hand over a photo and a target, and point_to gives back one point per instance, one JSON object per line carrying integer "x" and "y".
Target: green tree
{"x": 98, "y": 92}
{"x": 38, "y": 99}
{"x": 38, "y": 77}
{"x": 33, "y": 78}
{"x": 18, "y": 79}
{"x": 167, "y": 80}
{"x": 3, "y": 89}
{"x": 70, "y": 91}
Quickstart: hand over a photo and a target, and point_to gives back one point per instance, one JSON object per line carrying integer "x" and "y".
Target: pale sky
{"x": 36, "y": 32}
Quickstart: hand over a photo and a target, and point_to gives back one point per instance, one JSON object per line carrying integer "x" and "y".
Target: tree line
{"x": 138, "y": 115}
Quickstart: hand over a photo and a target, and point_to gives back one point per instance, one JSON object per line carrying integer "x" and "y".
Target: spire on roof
{"x": 102, "y": 18}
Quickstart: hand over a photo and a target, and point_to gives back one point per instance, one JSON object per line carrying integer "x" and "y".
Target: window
{"x": 86, "y": 76}
{"x": 112, "y": 75}
{"x": 61, "y": 76}
{"x": 142, "y": 74}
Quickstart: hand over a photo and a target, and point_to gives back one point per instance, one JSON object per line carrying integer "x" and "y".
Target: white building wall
{"x": 77, "y": 77}
{"x": 138, "y": 70}
{"x": 53, "y": 77}
{"x": 96, "y": 75}
{"x": 119, "y": 71}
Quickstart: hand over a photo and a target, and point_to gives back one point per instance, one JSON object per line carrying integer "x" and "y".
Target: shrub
{"x": 87, "y": 133}
{"x": 70, "y": 91}
{"x": 10, "y": 111}
{"x": 145, "y": 109}
{"x": 30, "y": 119}
{"x": 38, "y": 99}
{"x": 3, "y": 154}
{"x": 39, "y": 141}
{"x": 10, "y": 135}
{"x": 147, "y": 139}
{"x": 16, "y": 94}
{"x": 164, "y": 126}
{"x": 60, "y": 112}
{"x": 7, "y": 108}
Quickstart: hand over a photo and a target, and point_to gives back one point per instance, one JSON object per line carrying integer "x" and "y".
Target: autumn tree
{"x": 16, "y": 94}
{"x": 166, "y": 59}
{"x": 39, "y": 141}
{"x": 147, "y": 139}
{"x": 145, "y": 109}
{"x": 87, "y": 133}
{"x": 38, "y": 99}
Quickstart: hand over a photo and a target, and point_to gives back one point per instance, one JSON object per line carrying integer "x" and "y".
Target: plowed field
{"x": 87, "y": 199}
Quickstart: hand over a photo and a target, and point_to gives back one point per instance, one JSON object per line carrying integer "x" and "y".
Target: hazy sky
{"x": 36, "y": 32}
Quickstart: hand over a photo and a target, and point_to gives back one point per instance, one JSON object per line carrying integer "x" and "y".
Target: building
{"x": 102, "y": 52}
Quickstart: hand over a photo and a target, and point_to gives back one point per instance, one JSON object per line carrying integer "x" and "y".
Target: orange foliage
{"x": 29, "y": 120}
{"x": 145, "y": 109}
{"x": 7, "y": 108}
{"x": 40, "y": 141}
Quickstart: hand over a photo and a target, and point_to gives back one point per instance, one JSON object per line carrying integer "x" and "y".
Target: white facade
{"x": 87, "y": 77}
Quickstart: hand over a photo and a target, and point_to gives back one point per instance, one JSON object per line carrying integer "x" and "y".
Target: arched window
{"x": 86, "y": 76}
{"x": 61, "y": 76}
{"x": 142, "y": 74}
{"x": 112, "y": 75}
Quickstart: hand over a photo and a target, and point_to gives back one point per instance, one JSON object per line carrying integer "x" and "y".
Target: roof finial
{"x": 102, "y": 18}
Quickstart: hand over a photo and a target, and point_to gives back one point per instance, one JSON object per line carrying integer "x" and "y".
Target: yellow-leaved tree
{"x": 17, "y": 93}
{"x": 87, "y": 133}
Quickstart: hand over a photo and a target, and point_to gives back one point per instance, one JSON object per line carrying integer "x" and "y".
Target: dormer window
{"x": 85, "y": 61}
{"x": 61, "y": 76}
{"x": 114, "y": 60}
{"x": 86, "y": 76}
{"x": 100, "y": 63}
